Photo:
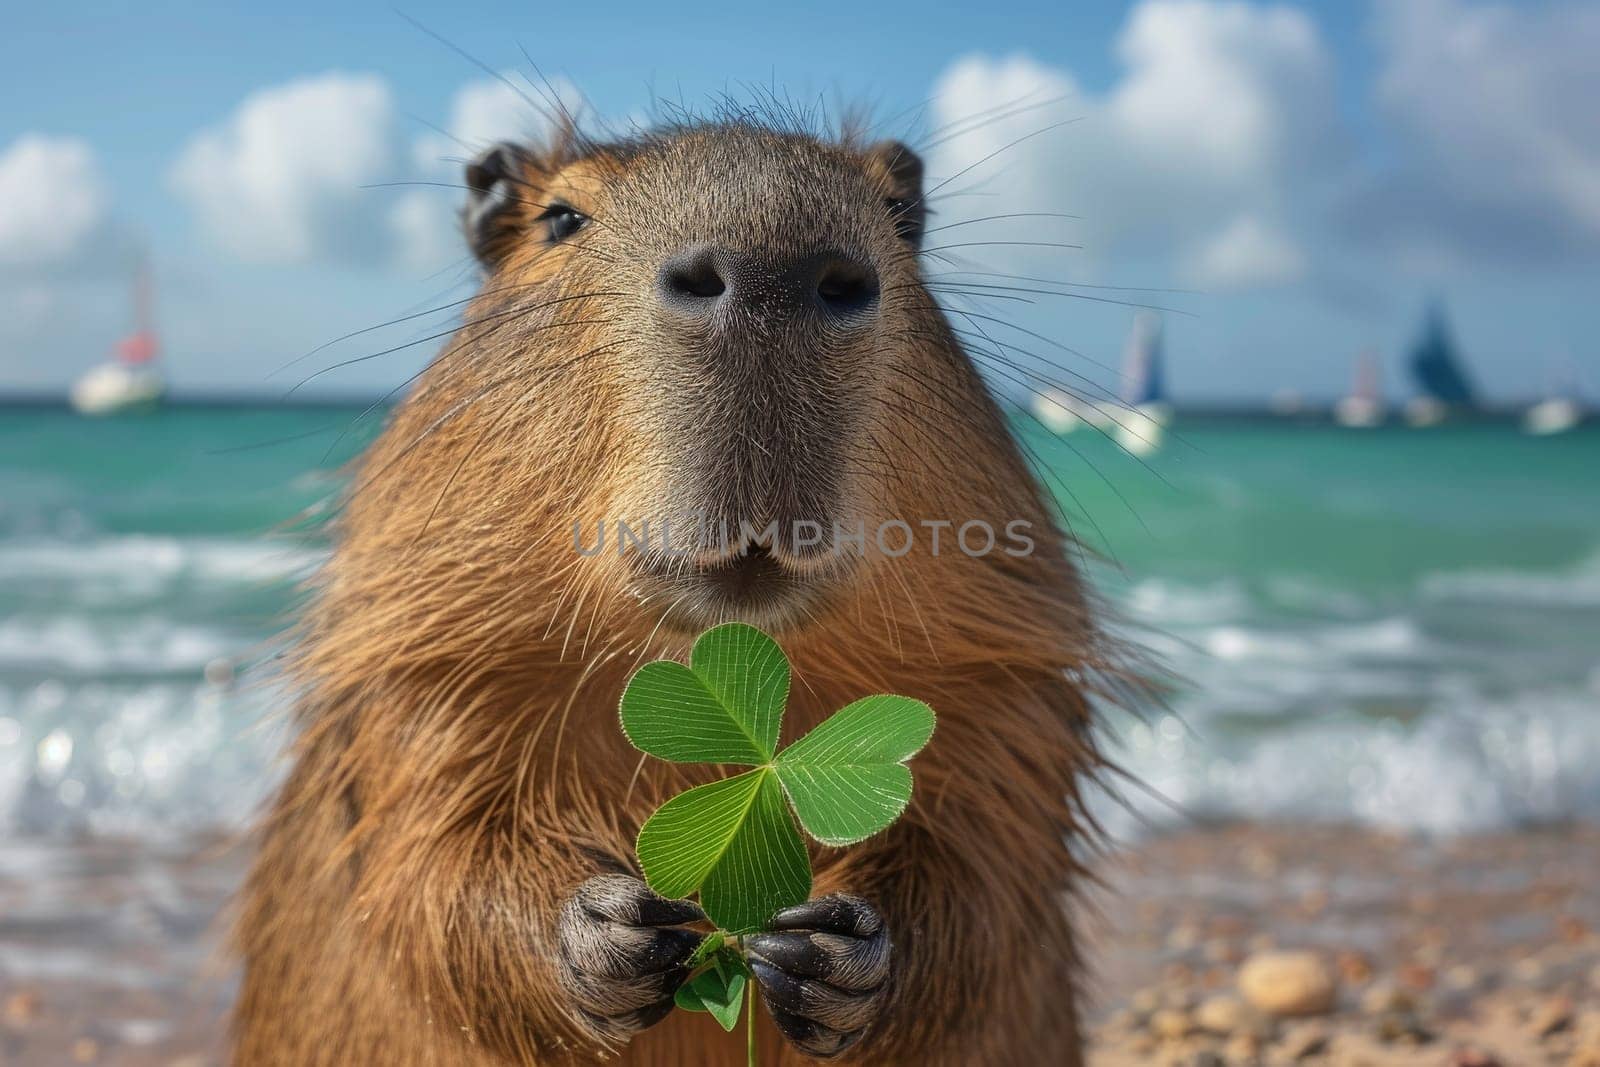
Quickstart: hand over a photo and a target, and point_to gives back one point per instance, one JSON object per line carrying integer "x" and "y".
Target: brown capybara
{"x": 728, "y": 320}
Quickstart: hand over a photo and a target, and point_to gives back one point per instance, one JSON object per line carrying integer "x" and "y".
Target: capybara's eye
{"x": 906, "y": 223}
{"x": 562, "y": 221}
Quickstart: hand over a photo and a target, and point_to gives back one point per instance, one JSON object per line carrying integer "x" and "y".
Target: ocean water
{"x": 1391, "y": 627}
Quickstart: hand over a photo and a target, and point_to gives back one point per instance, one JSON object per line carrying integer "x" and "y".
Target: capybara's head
{"x": 705, "y": 367}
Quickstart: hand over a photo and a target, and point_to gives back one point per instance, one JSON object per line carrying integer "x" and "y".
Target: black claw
{"x": 796, "y": 1028}
{"x": 659, "y": 911}
{"x": 837, "y": 914}
{"x": 666, "y": 949}
{"x": 809, "y": 1037}
{"x": 797, "y": 954}
{"x": 852, "y": 964}
{"x": 649, "y": 1015}
{"x": 828, "y": 1006}
{"x": 668, "y": 981}
{"x": 779, "y": 987}
{"x": 619, "y": 898}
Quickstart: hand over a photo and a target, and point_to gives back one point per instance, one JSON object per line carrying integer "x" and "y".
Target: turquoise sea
{"x": 1394, "y": 627}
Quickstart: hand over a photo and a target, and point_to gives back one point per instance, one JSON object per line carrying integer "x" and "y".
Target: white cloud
{"x": 1224, "y": 111}
{"x": 508, "y": 108}
{"x": 1495, "y": 105}
{"x": 289, "y": 176}
{"x": 427, "y": 235}
{"x": 281, "y": 181}
{"x": 484, "y": 112}
{"x": 1248, "y": 252}
{"x": 61, "y": 243}
{"x": 1241, "y": 94}
{"x": 54, "y": 204}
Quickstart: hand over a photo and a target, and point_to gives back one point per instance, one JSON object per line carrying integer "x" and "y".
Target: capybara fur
{"x": 726, "y": 318}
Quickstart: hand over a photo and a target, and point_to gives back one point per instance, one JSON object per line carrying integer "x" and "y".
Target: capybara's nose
{"x": 705, "y": 282}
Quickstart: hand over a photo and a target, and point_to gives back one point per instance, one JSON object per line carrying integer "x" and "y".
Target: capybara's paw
{"x": 623, "y": 953}
{"x": 824, "y": 970}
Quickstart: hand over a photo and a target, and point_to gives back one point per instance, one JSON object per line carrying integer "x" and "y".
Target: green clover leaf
{"x": 735, "y": 841}
{"x": 847, "y": 779}
{"x": 719, "y": 989}
{"x": 724, "y": 707}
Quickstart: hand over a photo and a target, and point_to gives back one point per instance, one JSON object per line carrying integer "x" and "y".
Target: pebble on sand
{"x": 1222, "y": 1014}
{"x": 1471, "y": 1057}
{"x": 1304, "y": 1042}
{"x": 1381, "y": 998}
{"x": 1287, "y": 984}
{"x": 1552, "y": 1017}
{"x": 1402, "y": 1028}
{"x": 1171, "y": 1024}
{"x": 21, "y": 1008}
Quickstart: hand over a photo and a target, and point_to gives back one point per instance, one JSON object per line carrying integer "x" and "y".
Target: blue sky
{"x": 1308, "y": 173}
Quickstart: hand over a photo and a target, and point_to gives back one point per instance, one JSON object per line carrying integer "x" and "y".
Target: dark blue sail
{"x": 1143, "y": 372}
{"x": 1436, "y": 365}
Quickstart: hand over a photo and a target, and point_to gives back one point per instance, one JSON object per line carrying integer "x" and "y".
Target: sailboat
{"x": 1063, "y": 412}
{"x": 1559, "y": 411}
{"x": 1363, "y": 407}
{"x": 1442, "y": 383}
{"x": 1143, "y": 421}
{"x": 130, "y": 381}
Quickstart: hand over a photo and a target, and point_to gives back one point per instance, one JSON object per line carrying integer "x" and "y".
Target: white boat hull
{"x": 1425, "y": 411}
{"x": 1556, "y": 415}
{"x": 1140, "y": 430}
{"x": 1358, "y": 412}
{"x": 111, "y": 388}
{"x": 1063, "y": 413}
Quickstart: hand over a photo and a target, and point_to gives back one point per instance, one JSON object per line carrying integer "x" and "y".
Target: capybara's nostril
{"x": 707, "y": 281}
{"x": 692, "y": 280}
{"x": 846, "y": 286}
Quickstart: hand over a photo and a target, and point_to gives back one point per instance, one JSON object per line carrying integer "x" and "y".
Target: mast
{"x": 1366, "y": 384}
{"x": 140, "y": 346}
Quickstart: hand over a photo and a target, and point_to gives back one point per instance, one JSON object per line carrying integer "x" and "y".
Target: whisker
{"x": 1001, "y": 218}
{"x": 999, "y": 151}
{"x": 444, "y": 333}
{"x": 988, "y": 117}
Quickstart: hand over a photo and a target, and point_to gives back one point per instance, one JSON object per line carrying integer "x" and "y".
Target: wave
{"x": 1483, "y": 764}
{"x": 1404, "y": 708}
{"x": 1578, "y": 587}
{"x": 1157, "y": 601}
{"x": 140, "y": 759}
{"x": 145, "y": 561}
{"x": 119, "y": 712}
{"x": 1380, "y": 638}
{"x": 84, "y": 645}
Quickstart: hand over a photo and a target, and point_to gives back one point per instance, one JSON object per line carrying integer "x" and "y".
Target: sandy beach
{"x": 1473, "y": 951}
{"x": 1357, "y": 947}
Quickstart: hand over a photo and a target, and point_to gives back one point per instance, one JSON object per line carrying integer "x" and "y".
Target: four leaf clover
{"x": 735, "y": 841}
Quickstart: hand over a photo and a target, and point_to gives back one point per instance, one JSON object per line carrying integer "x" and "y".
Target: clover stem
{"x": 750, "y": 1022}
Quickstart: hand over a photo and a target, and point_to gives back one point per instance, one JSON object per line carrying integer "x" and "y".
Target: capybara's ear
{"x": 496, "y": 189}
{"x": 902, "y": 168}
